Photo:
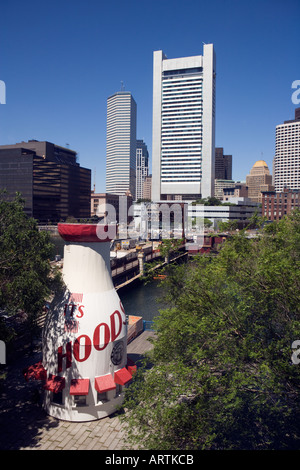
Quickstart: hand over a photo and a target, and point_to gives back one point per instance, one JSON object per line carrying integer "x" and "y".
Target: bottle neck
{"x": 86, "y": 267}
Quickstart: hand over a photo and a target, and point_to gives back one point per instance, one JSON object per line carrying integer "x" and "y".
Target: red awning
{"x": 131, "y": 366}
{"x": 35, "y": 371}
{"x": 55, "y": 384}
{"x": 79, "y": 386}
{"x": 104, "y": 383}
{"x": 122, "y": 376}
{"x": 84, "y": 232}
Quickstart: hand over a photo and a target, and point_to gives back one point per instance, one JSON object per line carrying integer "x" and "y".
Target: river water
{"x": 142, "y": 300}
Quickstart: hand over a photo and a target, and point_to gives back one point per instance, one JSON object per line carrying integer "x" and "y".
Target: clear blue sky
{"x": 60, "y": 60}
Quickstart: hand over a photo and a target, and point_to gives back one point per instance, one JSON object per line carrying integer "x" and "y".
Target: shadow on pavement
{"x": 22, "y": 418}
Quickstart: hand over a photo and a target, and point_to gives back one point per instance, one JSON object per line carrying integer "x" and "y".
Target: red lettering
{"x": 83, "y": 345}
{"x": 97, "y": 334}
{"x": 67, "y": 355}
{"x": 77, "y": 348}
{"x": 81, "y": 311}
{"x": 114, "y": 335}
{"x": 66, "y": 309}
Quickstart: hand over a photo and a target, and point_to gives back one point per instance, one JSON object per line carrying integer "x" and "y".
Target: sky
{"x": 61, "y": 60}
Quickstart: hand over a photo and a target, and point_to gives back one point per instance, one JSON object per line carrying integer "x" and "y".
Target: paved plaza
{"x": 25, "y": 426}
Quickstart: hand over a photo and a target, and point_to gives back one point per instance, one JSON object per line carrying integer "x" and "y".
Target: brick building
{"x": 277, "y": 205}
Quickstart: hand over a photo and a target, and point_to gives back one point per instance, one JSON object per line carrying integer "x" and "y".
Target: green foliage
{"x": 212, "y": 201}
{"x": 208, "y": 201}
{"x": 26, "y": 278}
{"x": 256, "y": 221}
{"x": 168, "y": 248}
{"x": 228, "y": 226}
{"x": 222, "y": 375}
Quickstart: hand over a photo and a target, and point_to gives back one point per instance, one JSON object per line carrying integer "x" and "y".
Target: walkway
{"x": 25, "y": 426}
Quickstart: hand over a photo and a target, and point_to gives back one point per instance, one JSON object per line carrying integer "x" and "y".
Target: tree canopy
{"x": 220, "y": 375}
{"x": 26, "y": 277}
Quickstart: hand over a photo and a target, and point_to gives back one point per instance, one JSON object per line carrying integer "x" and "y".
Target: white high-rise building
{"x": 142, "y": 167}
{"x": 183, "y": 146}
{"x": 286, "y": 164}
{"x": 121, "y": 144}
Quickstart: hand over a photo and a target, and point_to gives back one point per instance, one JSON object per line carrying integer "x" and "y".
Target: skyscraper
{"x": 121, "y": 144}
{"x": 49, "y": 177}
{"x": 223, "y": 165}
{"x": 286, "y": 165}
{"x": 142, "y": 167}
{"x": 183, "y": 147}
{"x": 258, "y": 180}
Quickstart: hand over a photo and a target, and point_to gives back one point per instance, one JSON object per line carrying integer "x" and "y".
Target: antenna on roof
{"x": 122, "y": 86}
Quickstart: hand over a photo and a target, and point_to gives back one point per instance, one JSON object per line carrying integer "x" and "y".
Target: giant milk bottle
{"x": 85, "y": 333}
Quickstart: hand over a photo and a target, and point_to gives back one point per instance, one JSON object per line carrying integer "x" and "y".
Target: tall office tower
{"x": 142, "y": 167}
{"x": 223, "y": 165}
{"x": 49, "y": 177}
{"x": 183, "y": 149}
{"x": 121, "y": 144}
{"x": 286, "y": 165}
{"x": 258, "y": 180}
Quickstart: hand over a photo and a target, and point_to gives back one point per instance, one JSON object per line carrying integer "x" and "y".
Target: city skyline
{"x": 59, "y": 71}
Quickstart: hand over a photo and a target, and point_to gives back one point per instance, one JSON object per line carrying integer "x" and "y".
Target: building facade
{"x": 239, "y": 190}
{"x": 259, "y": 179}
{"x": 142, "y": 168}
{"x": 286, "y": 164}
{"x": 115, "y": 207}
{"x": 48, "y": 177}
{"x": 148, "y": 187}
{"x": 183, "y": 140}
{"x": 276, "y": 205}
{"x": 223, "y": 165}
{"x": 121, "y": 144}
{"x": 16, "y": 174}
{"x": 220, "y": 185}
{"x": 241, "y": 212}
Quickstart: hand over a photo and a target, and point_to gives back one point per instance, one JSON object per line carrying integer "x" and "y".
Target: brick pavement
{"x": 24, "y": 425}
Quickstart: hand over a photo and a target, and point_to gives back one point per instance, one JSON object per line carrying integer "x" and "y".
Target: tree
{"x": 208, "y": 201}
{"x": 26, "y": 277}
{"x": 207, "y": 222}
{"x": 222, "y": 375}
{"x": 228, "y": 226}
{"x": 256, "y": 221}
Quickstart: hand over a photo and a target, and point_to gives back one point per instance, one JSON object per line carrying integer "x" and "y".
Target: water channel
{"x": 142, "y": 300}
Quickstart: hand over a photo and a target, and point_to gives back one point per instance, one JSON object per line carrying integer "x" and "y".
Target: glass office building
{"x": 48, "y": 177}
